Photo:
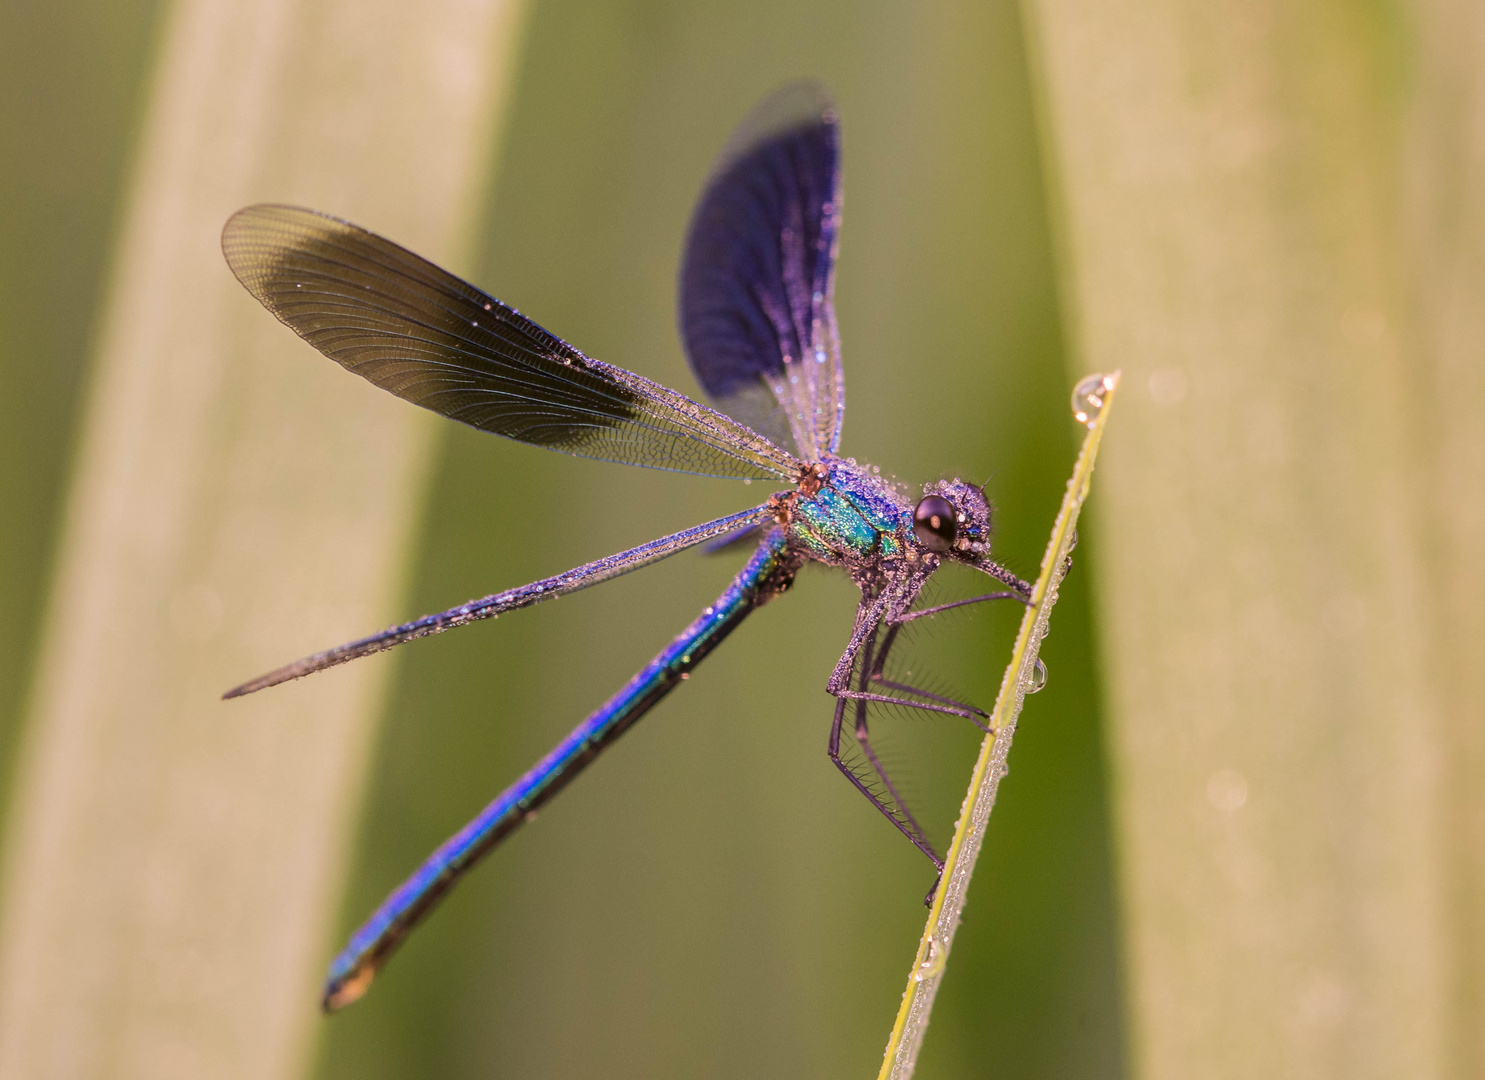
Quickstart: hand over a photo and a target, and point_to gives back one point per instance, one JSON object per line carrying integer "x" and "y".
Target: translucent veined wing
{"x": 496, "y": 604}
{"x": 428, "y": 337}
{"x": 756, "y": 309}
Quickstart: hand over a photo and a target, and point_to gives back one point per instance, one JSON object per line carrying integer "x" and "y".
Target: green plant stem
{"x": 979, "y": 800}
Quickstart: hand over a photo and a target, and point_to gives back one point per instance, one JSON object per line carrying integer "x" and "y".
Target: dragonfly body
{"x": 758, "y": 321}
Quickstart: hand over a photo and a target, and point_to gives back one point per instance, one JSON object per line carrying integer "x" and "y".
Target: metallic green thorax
{"x": 854, "y": 515}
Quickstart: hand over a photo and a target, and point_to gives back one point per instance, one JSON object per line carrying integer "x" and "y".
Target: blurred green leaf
{"x": 71, "y": 77}
{"x": 170, "y": 861}
{"x": 1271, "y": 217}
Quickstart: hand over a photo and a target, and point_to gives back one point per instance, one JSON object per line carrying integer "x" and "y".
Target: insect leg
{"x": 842, "y": 689}
{"x": 868, "y": 624}
{"x": 911, "y": 615}
{"x": 909, "y": 827}
{"x": 973, "y": 713}
{"x": 867, "y": 656}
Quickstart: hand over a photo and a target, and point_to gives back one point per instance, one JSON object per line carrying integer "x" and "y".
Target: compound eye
{"x": 935, "y": 523}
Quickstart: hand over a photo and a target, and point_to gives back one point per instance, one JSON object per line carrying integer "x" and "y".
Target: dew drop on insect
{"x": 1087, "y": 398}
{"x": 934, "y": 963}
{"x": 1038, "y": 677}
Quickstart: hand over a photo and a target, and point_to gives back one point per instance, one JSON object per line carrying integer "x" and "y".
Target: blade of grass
{"x": 1091, "y": 405}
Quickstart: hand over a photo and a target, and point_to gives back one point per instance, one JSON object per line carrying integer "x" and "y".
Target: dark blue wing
{"x": 756, "y": 309}
{"x": 416, "y": 330}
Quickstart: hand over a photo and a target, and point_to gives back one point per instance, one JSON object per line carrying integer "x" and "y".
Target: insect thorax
{"x": 853, "y": 516}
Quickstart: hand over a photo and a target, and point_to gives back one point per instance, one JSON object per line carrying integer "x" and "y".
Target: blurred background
{"x": 1243, "y": 832}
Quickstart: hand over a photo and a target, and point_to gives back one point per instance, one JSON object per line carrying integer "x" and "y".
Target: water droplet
{"x": 1087, "y": 398}
{"x": 933, "y": 964}
{"x": 1038, "y": 677}
{"x": 747, "y": 479}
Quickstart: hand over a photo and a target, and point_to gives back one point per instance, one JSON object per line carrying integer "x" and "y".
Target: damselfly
{"x": 758, "y": 322}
